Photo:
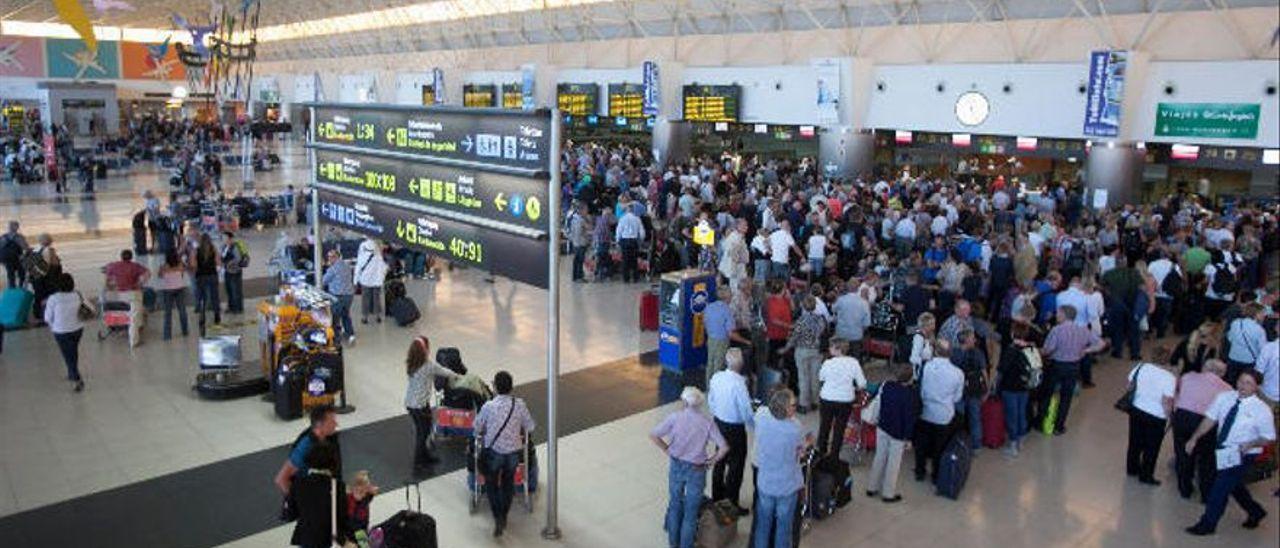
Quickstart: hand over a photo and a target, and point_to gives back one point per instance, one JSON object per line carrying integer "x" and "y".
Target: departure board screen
{"x": 578, "y": 99}
{"x": 512, "y": 96}
{"x": 428, "y": 94}
{"x": 626, "y": 100}
{"x": 478, "y": 95}
{"x": 712, "y": 103}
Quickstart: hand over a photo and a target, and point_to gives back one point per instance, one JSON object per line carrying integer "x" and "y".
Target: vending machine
{"x": 682, "y": 336}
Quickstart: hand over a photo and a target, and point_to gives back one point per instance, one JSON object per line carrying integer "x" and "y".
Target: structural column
{"x": 671, "y": 135}
{"x": 846, "y": 148}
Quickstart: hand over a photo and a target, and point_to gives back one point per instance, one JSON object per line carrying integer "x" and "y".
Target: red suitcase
{"x": 993, "y": 433}
{"x": 649, "y": 311}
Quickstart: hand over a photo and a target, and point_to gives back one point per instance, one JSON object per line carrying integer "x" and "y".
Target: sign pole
{"x": 317, "y": 255}
{"x": 552, "y": 529}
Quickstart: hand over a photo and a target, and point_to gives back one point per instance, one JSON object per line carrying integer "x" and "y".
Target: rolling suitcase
{"x": 953, "y": 467}
{"x": 649, "y": 311}
{"x": 407, "y": 528}
{"x": 290, "y": 381}
{"x": 404, "y": 311}
{"x": 993, "y": 433}
{"x": 15, "y": 307}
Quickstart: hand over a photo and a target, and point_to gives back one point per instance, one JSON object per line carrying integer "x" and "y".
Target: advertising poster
{"x": 527, "y": 79}
{"x": 150, "y": 62}
{"x": 1105, "y": 92}
{"x": 68, "y": 58}
{"x": 1210, "y": 120}
{"x": 21, "y": 56}
{"x": 827, "y": 73}
{"x": 652, "y": 90}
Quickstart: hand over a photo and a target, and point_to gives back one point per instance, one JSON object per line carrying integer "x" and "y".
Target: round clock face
{"x": 972, "y": 108}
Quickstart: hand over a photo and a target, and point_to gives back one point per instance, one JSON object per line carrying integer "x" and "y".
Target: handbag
{"x": 85, "y": 312}
{"x": 871, "y": 413}
{"x": 1125, "y": 403}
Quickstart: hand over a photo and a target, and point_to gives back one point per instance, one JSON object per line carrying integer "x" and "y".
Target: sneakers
{"x": 351, "y": 340}
{"x": 1199, "y": 531}
{"x": 1011, "y": 450}
{"x": 1254, "y": 521}
{"x": 79, "y": 387}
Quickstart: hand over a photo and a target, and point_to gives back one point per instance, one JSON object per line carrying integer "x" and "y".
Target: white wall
{"x": 357, "y": 88}
{"x": 409, "y": 87}
{"x": 1212, "y": 82}
{"x": 1043, "y": 100}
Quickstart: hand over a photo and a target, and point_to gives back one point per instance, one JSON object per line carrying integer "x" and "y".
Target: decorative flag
{"x": 72, "y": 13}
{"x": 437, "y": 76}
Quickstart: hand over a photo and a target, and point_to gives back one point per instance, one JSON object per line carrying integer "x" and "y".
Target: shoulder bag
{"x": 485, "y": 447}
{"x": 85, "y": 312}
{"x": 1125, "y": 403}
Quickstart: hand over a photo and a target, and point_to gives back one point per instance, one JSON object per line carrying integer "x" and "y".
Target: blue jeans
{"x": 815, "y": 266}
{"x": 207, "y": 297}
{"x": 1063, "y": 378}
{"x": 761, "y": 270}
{"x": 342, "y": 315}
{"x": 1015, "y": 414}
{"x": 500, "y": 480}
{"x": 1229, "y": 482}
{"x": 779, "y": 271}
{"x": 973, "y": 412}
{"x": 579, "y": 257}
{"x": 69, "y": 345}
{"x": 776, "y": 516}
{"x": 235, "y": 292}
{"x": 172, "y": 299}
{"x": 685, "y": 485}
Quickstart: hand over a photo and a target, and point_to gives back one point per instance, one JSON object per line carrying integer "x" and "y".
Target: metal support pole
{"x": 246, "y": 144}
{"x": 552, "y": 529}
{"x": 317, "y": 255}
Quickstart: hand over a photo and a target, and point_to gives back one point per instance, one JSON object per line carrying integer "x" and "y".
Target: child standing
{"x": 359, "y": 495}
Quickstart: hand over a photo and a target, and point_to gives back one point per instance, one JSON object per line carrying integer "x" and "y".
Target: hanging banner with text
{"x": 1208, "y": 120}
{"x": 652, "y": 90}
{"x": 505, "y": 254}
{"x": 1105, "y": 92}
{"x": 827, "y": 73}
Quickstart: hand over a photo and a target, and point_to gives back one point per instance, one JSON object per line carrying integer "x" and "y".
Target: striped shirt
{"x": 1067, "y": 342}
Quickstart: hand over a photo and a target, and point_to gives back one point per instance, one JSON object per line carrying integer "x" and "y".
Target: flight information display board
{"x": 578, "y": 99}
{"x": 502, "y": 139}
{"x": 494, "y": 196}
{"x": 626, "y": 101}
{"x": 478, "y": 95}
{"x": 502, "y": 253}
{"x": 428, "y": 94}
{"x": 712, "y": 103}
{"x": 512, "y": 96}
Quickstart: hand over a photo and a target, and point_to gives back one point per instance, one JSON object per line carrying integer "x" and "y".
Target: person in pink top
{"x": 1196, "y": 391}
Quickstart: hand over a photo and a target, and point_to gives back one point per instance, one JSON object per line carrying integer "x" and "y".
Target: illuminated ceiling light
{"x": 180, "y": 92}
{"x": 59, "y": 30}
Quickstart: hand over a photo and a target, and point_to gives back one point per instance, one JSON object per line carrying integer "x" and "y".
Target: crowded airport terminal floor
{"x": 650, "y": 273}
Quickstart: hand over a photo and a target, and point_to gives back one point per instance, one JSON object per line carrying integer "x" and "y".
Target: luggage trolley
{"x": 117, "y": 315}
{"x": 525, "y": 483}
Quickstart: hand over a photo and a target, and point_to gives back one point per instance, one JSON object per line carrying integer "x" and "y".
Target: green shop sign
{"x": 1211, "y": 120}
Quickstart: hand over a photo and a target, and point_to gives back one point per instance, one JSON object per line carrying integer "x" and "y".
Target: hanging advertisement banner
{"x": 1105, "y": 92}
{"x": 437, "y": 76}
{"x": 652, "y": 90}
{"x": 1211, "y": 120}
{"x": 827, "y": 73}
{"x": 527, "y": 80}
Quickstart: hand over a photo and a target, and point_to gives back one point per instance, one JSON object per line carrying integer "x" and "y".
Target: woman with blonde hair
{"x": 922, "y": 343}
{"x": 1203, "y": 344}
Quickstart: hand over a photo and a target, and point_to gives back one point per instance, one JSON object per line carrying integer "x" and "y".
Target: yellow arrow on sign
{"x": 391, "y": 136}
{"x": 500, "y": 202}
{"x": 413, "y": 186}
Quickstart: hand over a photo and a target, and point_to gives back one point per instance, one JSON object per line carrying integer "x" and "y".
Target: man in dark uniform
{"x": 311, "y": 477}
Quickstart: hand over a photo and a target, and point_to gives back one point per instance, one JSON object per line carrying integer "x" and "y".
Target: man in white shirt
{"x": 781, "y": 245}
{"x": 629, "y": 233}
{"x": 1269, "y": 367}
{"x": 730, "y": 405}
{"x": 940, "y": 225}
{"x": 853, "y": 316}
{"x": 1246, "y": 337}
{"x": 1076, "y": 297}
{"x": 1245, "y": 425}
{"x": 941, "y": 388}
{"x": 840, "y": 375}
{"x": 904, "y": 235}
{"x": 1154, "y": 388}
{"x": 1160, "y": 269}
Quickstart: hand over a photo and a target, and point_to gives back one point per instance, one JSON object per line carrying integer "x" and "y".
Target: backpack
{"x": 1224, "y": 280}
{"x": 10, "y": 250}
{"x": 244, "y": 253}
{"x": 35, "y": 265}
{"x": 1075, "y": 259}
{"x": 1033, "y": 373}
{"x": 1172, "y": 284}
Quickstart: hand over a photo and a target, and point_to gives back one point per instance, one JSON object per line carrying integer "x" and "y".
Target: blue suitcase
{"x": 953, "y": 467}
{"x": 15, "y": 307}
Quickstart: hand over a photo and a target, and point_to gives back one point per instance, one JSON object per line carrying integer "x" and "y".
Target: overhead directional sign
{"x": 493, "y": 196}
{"x": 494, "y": 138}
{"x": 516, "y": 257}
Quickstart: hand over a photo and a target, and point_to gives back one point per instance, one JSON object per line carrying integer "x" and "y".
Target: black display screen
{"x": 712, "y": 103}
{"x": 578, "y": 99}
{"x": 504, "y": 139}
{"x": 516, "y": 257}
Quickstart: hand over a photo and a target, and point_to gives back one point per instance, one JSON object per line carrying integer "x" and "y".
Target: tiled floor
{"x": 139, "y": 420}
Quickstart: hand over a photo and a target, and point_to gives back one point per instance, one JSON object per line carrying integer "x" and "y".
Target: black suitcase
{"x": 404, "y": 311}
{"x": 290, "y": 380}
{"x": 232, "y": 389}
{"x": 451, "y": 358}
{"x": 409, "y": 528}
{"x": 953, "y": 467}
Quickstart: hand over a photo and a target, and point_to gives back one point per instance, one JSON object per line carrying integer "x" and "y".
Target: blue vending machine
{"x": 682, "y": 337}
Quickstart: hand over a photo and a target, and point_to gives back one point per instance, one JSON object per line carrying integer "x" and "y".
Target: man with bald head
{"x": 1196, "y": 390}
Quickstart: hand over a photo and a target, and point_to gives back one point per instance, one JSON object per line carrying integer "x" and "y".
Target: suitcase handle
{"x": 417, "y": 488}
